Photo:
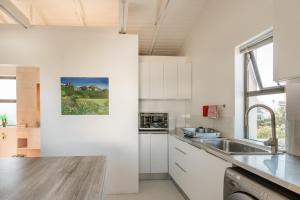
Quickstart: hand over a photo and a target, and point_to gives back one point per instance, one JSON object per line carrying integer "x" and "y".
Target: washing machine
{"x": 240, "y": 184}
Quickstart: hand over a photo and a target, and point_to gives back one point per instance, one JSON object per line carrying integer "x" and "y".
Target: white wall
{"x": 221, "y": 27}
{"x": 84, "y": 52}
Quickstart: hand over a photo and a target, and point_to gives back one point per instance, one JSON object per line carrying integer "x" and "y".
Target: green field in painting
{"x": 84, "y": 100}
{"x": 80, "y": 106}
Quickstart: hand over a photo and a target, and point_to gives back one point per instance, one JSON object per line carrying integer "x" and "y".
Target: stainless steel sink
{"x": 235, "y": 147}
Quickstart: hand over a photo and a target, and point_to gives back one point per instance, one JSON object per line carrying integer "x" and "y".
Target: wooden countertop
{"x": 52, "y": 178}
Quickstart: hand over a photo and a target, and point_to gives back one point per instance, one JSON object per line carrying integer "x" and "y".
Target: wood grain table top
{"x": 52, "y": 178}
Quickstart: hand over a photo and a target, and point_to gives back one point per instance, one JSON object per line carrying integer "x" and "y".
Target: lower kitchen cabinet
{"x": 199, "y": 174}
{"x": 153, "y": 153}
{"x": 144, "y": 153}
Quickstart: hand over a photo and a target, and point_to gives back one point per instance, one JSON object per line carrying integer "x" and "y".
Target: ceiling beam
{"x": 163, "y": 10}
{"x": 123, "y": 16}
{"x": 3, "y": 19}
{"x": 11, "y": 10}
{"x": 80, "y": 12}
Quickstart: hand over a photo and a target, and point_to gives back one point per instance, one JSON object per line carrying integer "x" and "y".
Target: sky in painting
{"x": 85, "y": 81}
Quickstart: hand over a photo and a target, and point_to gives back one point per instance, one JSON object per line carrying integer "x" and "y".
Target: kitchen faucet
{"x": 273, "y": 141}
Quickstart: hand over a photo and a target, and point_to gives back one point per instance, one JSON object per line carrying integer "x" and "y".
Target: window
{"x": 261, "y": 89}
{"x": 8, "y": 98}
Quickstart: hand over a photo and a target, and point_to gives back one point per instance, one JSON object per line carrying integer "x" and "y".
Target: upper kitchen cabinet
{"x": 170, "y": 80}
{"x": 144, "y": 85}
{"x": 286, "y": 40}
{"x": 165, "y": 77}
{"x": 184, "y": 81}
{"x": 156, "y": 80}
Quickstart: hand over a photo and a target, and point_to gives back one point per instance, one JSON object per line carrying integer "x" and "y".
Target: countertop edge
{"x": 237, "y": 163}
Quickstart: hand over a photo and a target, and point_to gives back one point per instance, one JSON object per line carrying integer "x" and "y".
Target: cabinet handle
{"x": 180, "y": 150}
{"x": 180, "y": 167}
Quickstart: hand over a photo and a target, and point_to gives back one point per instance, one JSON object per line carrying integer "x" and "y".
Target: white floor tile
{"x": 151, "y": 190}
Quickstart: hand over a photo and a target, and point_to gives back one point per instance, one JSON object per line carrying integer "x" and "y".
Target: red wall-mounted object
{"x": 205, "y": 111}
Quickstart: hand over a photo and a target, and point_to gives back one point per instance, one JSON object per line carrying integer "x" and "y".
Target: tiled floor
{"x": 152, "y": 190}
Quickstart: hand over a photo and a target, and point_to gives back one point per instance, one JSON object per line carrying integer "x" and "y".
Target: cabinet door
{"x": 170, "y": 81}
{"x": 144, "y": 78}
{"x": 171, "y": 156}
{"x": 156, "y": 81}
{"x": 205, "y": 175}
{"x": 144, "y": 146}
{"x": 159, "y": 153}
{"x": 184, "y": 81}
{"x": 214, "y": 176}
{"x": 286, "y": 39}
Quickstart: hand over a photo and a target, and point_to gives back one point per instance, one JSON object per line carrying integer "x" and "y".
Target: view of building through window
{"x": 260, "y": 80}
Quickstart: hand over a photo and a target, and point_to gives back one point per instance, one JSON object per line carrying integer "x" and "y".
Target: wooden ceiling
{"x": 161, "y": 31}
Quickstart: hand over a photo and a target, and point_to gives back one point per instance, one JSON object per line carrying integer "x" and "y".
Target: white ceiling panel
{"x": 164, "y": 38}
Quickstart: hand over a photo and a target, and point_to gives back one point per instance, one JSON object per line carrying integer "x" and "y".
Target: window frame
{"x": 249, "y": 57}
{"x": 9, "y": 100}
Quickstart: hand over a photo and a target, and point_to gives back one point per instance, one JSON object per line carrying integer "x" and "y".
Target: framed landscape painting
{"x": 84, "y": 96}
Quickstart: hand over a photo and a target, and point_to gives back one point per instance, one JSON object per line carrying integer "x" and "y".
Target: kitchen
{"x": 171, "y": 57}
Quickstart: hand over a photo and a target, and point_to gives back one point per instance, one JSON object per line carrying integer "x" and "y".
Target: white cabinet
{"x": 156, "y": 81}
{"x": 144, "y": 146}
{"x": 199, "y": 174}
{"x": 165, "y": 78}
{"x": 144, "y": 80}
{"x": 153, "y": 153}
{"x": 205, "y": 175}
{"x": 170, "y": 80}
{"x": 184, "y": 81}
{"x": 159, "y": 153}
{"x": 171, "y": 156}
{"x": 286, "y": 39}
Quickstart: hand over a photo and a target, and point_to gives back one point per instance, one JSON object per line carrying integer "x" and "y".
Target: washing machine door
{"x": 240, "y": 196}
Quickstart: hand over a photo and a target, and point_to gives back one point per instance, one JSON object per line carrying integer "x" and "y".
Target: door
{"x": 156, "y": 81}
{"x": 159, "y": 153}
{"x": 170, "y": 81}
{"x": 184, "y": 81}
{"x": 144, "y": 156}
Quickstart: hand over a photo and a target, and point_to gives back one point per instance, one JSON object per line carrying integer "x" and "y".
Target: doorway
{"x": 19, "y": 111}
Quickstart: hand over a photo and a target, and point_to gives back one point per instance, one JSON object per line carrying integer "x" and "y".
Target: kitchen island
{"x": 48, "y": 178}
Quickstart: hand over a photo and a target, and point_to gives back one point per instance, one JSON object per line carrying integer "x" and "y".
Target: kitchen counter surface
{"x": 51, "y": 178}
{"x": 282, "y": 169}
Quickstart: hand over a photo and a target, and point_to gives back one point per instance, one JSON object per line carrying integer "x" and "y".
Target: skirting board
{"x": 156, "y": 176}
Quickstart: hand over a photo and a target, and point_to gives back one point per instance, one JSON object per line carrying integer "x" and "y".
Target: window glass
{"x": 264, "y": 62}
{"x": 8, "y": 88}
{"x": 260, "y": 120}
{"x": 8, "y": 92}
{"x": 259, "y": 76}
{"x": 9, "y": 109}
{"x": 264, "y": 59}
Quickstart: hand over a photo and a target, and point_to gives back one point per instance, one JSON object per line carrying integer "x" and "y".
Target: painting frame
{"x": 84, "y": 95}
